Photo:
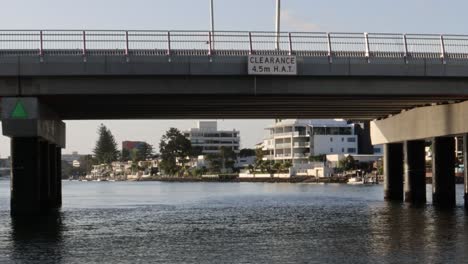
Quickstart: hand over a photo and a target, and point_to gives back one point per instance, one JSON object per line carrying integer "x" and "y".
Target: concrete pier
{"x": 36, "y": 184}
{"x": 393, "y": 172}
{"x": 44, "y": 176}
{"x": 465, "y": 162}
{"x": 443, "y": 172}
{"x": 53, "y": 176}
{"x": 37, "y": 136}
{"x": 58, "y": 157}
{"x": 415, "y": 172}
{"x": 25, "y": 184}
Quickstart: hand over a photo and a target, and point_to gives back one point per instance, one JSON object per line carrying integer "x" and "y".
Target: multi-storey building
{"x": 298, "y": 139}
{"x": 207, "y": 136}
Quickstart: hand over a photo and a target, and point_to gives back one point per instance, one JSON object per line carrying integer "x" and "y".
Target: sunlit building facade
{"x": 209, "y": 139}
{"x": 298, "y": 139}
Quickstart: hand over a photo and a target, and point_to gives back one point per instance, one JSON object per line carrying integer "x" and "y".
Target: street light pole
{"x": 212, "y": 22}
{"x": 278, "y": 16}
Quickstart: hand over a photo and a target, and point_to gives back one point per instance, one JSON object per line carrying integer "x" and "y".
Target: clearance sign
{"x": 272, "y": 65}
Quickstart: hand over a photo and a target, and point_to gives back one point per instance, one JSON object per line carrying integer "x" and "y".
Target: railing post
{"x": 442, "y": 49}
{"x": 41, "y": 47}
{"x": 250, "y": 44}
{"x": 168, "y": 43}
{"x": 366, "y": 39}
{"x": 84, "y": 43}
{"x": 329, "y": 48}
{"x": 405, "y": 46}
{"x": 210, "y": 50}
{"x": 126, "y": 44}
{"x": 290, "y": 44}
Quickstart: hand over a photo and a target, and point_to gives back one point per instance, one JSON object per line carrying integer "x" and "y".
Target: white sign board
{"x": 272, "y": 65}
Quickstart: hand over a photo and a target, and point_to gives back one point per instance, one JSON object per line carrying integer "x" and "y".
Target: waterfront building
{"x": 209, "y": 139}
{"x": 134, "y": 150}
{"x": 131, "y": 145}
{"x": 296, "y": 140}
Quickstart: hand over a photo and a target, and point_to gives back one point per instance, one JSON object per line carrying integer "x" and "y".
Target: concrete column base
{"x": 415, "y": 172}
{"x": 393, "y": 172}
{"x": 443, "y": 172}
{"x": 25, "y": 185}
{"x": 34, "y": 184}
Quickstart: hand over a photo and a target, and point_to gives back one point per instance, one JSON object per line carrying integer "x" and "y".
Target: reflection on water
{"x": 40, "y": 232}
{"x": 233, "y": 223}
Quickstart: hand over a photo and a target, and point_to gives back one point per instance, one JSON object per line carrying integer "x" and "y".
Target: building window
{"x": 352, "y": 139}
{"x": 342, "y": 139}
{"x": 331, "y": 149}
{"x": 331, "y": 139}
{"x": 342, "y": 150}
{"x": 351, "y": 150}
{"x": 377, "y": 150}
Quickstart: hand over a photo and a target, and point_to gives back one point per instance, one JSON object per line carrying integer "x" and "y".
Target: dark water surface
{"x": 152, "y": 222}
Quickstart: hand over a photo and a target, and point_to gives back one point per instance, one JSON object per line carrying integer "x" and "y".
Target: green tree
{"x": 175, "y": 150}
{"x": 247, "y": 153}
{"x": 214, "y": 163}
{"x": 196, "y": 151}
{"x": 228, "y": 158}
{"x": 105, "y": 150}
{"x": 348, "y": 163}
{"x": 86, "y": 163}
{"x": 318, "y": 158}
{"x": 259, "y": 154}
{"x": 126, "y": 155}
{"x": 286, "y": 165}
{"x": 144, "y": 152}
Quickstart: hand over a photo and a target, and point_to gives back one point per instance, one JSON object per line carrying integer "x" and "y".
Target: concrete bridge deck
{"x": 195, "y": 74}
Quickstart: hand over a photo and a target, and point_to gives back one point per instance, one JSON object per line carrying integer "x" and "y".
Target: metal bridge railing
{"x": 230, "y": 43}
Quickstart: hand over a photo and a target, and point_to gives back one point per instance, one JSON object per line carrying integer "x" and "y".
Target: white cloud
{"x": 297, "y": 23}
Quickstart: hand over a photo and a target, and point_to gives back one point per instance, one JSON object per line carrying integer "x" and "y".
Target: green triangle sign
{"x": 19, "y": 112}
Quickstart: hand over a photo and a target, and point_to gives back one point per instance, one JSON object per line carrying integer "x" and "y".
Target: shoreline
{"x": 298, "y": 179}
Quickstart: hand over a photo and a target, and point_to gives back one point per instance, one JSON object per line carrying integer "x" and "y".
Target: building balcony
{"x": 290, "y": 134}
{"x": 284, "y": 145}
{"x": 287, "y": 155}
{"x": 301, "y": 155}
{"x": 301, "y": 144}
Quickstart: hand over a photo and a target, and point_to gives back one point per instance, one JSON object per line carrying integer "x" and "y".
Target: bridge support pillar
{"x": 415, "y": 172}
{"x": 54, "y": 184}
{"x": 58, "y": 168}
{"x": 443, "y": 172}
{"x": 465, "y": 162}
{"x": 44, "y": 176}
{"x": 25, "y": 175}
{"x": 37, "y": 136}
{"x": 393, "y": 172}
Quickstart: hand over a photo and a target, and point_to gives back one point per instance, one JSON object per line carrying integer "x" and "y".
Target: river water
{"x": 153, "y": 222}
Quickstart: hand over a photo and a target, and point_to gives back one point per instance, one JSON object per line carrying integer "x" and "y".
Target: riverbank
{"x": 229, "y": 178}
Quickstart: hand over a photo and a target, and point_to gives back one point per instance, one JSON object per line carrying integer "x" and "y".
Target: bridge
{"x": 413, "y": 86}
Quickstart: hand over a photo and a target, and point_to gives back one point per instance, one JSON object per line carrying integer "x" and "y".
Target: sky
{"x": 397, "y": 16}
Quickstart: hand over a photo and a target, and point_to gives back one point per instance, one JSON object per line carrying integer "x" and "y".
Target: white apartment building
{"x": 297, "y": 139}
{"x": 207, "y": 136}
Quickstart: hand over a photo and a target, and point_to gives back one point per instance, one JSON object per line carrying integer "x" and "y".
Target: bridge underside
{"x": 208, "y": 96}
{"x": 78, "y": 107}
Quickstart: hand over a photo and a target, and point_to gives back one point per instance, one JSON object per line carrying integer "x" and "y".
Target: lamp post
{"x": 278, "y": 19}
{"x": 212, "y": 22}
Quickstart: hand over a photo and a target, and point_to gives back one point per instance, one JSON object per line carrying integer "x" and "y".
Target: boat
{"x": 356, "y": 180}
